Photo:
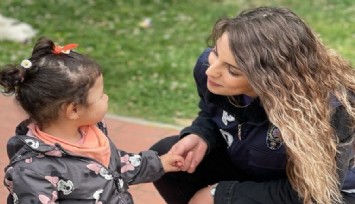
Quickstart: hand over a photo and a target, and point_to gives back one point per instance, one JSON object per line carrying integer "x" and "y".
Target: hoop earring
{"x": 235, "y": 102}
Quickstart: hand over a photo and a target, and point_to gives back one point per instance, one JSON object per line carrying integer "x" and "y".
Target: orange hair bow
{"x": 64, "y": 49}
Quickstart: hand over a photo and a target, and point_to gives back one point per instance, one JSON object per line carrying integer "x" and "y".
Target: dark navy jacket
{"x": 255, "y": 145}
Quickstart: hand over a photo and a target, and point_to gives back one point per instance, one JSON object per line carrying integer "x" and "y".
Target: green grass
{"x": 148, "y": 72}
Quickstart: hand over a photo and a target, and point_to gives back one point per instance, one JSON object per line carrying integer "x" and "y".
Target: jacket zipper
{"x": 240, "y": 131}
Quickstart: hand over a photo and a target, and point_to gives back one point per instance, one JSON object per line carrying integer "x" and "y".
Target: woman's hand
{"x": 193, "y": 148}
{"x": 202, "y": 196}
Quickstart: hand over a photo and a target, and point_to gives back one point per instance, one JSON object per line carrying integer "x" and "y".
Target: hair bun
{"x": 10, "y": 79}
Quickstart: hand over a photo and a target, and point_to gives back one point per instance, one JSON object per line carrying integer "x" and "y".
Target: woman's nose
{"x": 213, "y": 70}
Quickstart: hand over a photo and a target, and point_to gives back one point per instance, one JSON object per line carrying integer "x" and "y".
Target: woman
{"x": 276, "y": 120}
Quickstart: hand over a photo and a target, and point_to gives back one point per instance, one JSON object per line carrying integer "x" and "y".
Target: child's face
{"x": 97, "y": 104}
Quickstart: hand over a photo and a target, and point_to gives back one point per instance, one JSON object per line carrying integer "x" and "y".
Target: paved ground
{"x": 128, "y": 134}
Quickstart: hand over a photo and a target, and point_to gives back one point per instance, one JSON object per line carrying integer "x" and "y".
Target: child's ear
{"x": 71, "y": 111}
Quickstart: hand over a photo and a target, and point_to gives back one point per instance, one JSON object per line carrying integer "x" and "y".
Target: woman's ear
{"x": 71, "y": 111}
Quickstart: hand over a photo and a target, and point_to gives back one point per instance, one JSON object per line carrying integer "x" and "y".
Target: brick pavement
{"x": 128, "y": 134}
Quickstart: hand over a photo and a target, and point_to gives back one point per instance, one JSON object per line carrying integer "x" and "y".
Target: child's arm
{"x": 146, "y": 166}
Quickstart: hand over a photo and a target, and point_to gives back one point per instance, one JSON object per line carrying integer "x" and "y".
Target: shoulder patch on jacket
{"x": 273, "y": 138}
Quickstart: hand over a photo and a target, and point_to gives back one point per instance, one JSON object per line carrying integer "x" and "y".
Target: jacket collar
{"x": 253, "y": 113}
{"x": 22, "y": 145}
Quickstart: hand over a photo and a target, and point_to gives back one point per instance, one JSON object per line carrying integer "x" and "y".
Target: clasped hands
{"x": 186, "y": 155}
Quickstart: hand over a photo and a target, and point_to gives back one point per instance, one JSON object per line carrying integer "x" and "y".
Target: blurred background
{"x": 148, "y": 48}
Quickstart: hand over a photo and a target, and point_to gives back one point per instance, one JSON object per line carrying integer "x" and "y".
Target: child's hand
{"x": 172, "y": 162}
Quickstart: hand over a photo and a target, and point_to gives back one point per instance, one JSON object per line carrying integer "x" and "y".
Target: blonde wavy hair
{"x": 295, "y": 77}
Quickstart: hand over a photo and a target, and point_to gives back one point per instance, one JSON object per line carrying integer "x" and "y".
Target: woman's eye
{"x": 232, "y": 71}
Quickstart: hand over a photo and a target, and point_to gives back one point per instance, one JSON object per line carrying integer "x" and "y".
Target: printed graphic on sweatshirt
{"x": 97, "y": 196}
{"x": 227, "y": 137}
{"x": 227, "y": 118}
{"x": 32, "y": 143}
{"x": 66, "y": 187}
{"x": 129, "y": 163}
{"x": 100, "y": 170}
{"x": 46, "y": 200}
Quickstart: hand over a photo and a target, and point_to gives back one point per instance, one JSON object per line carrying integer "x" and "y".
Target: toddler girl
{"x": 61, "y": 153}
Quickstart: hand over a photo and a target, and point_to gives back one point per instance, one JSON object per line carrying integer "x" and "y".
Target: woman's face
{"x": 224, "y": 77}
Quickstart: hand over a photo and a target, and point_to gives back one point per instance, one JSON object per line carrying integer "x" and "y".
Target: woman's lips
{"x": 211, "y": 83}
